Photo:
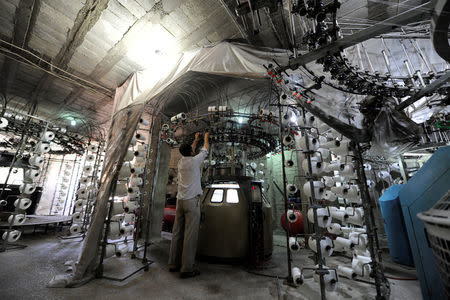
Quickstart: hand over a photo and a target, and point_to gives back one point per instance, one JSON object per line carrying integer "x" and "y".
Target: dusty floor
{"x": 25, "y": 273}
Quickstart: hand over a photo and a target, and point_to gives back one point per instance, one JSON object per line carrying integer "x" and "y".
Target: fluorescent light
{"x": 240, "y": 120}
{"x": 224, "y": 186}
{"x": 73, "y": 122}
{"x": 153, "y": 48}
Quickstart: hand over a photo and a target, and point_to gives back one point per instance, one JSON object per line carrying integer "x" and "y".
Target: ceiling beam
{"x": 409, "y": 16}
{"x": 114, "y": 55}
{"x": 24, "y": 21}
{"x": 86, "y": 18}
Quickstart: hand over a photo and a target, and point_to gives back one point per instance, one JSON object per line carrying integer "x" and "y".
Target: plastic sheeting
{"x": 228, "y": 59}
{"x": 121, "y": 132}
{"x": 394, "y": 133}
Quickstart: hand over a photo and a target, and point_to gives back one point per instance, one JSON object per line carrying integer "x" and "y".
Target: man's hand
{"x": 197, "y": 136}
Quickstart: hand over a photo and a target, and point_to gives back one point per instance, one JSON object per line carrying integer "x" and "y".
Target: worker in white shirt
{"x": 187, "y": 219}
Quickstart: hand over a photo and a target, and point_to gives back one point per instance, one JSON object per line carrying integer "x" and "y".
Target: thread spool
{"x": 318, "y": 189}
{"x": 134, "y": 191}
{"x": 137, "y": 170}
{"x": 313, "y": 143}
{"x": 75, "y": 228}
{"x": 341, "y": 244}
{"x": 90, "y": 158}
{"x": 84, "y": 180}
{"x": 212, "y": 109}
{"x": 31, "y": 175}
{"x": 4, "y": 202}
{"x": 129, "y": 156}
{"x": 130, "y": 206}
{"x": 92, "y": 148}
{"x": 359, "y": 239}
{"x": 326, "y": 246}
{"x": 289, "y": 163}
{"x": 340, "y": 190}
{"x": 114, "y": 230}
{"x": 117, "y": 208}
{"x": 338, "y": 214}
{"x": 323, "y": 217}
{"x": 18, "y": 219}
{"x": 297, "y": 276}
{"x": 370, "y": 184}
{"x": 125, "y": 170}
{"x": 329, "y": 196}
{"x": 82, "y": 192}
{"x": 48, "y": 136}
{"x": 384, "y": 175}
{"x": 129, "y": 218}
{"x": 293, "y": 244}
{"x": 355, "y": 219}
{"x": 347, "y": 272}
{"x": 317, "y": 166}
{"x": 77, "y": 217}
{"x": 347, "y": 171}
{"x": 3, "y": 123}
{"x": 143, "y": 122}
{"x": 133, "y": 141}
{"x": 18, "y": 118}
{"x": 323, "y": 154}
{"x": 62, "y": 194}
{"x": 291, "y": 188}
{"x": 121, "y": 189}
{"x": 36, "y": 161}
{"x": 140, "y": 154}
{"x": 288, "y": 140}
{"x": 140, "y": 137}
{"x": 334, "y": 228}
{"x": 12, "y": 237}
{"x": 171, "y": 141}
{"x": 291, "y": 216}
{"x": 87, "y": 169}
{"x": 22, "y": 203}
{"x": 286, "y": 118}
{"x": 360, "y": 268}
{"x": 118, "y": 218}
{"x": 136, "y": 181}
{"x": 42, "y": 148}
{"x": 328, "y": 181}
{"x": 142, "y": 148}
{"x": 127, "y": 229}
{"x": 80, "y": 203}
{"x": 27, "y": 188}
{"x": 121, "y": 250}
{"x": 110, "y": 250}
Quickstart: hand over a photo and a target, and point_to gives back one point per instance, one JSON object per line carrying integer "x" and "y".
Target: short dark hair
{"x": 185, "y": 149}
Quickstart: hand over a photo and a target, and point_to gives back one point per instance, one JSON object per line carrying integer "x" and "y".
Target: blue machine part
{"x": 419, "y": 194}
{"x": 394, "y": 224}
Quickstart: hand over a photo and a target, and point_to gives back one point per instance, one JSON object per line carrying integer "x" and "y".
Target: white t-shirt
{"x": 189, "y": 178}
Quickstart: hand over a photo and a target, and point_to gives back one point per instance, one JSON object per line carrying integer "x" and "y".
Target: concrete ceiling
{"x": 65, "y": 58}
{"x": 91, "y": 40}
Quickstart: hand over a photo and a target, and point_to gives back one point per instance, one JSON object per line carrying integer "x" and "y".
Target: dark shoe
{"x": 174, "y": 269}
{"x": 189, "y": 274}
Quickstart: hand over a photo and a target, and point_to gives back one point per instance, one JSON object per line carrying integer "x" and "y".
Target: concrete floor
{"x": 25, "y": 273}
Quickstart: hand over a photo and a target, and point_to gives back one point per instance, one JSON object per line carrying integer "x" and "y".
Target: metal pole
{"x": 320, "y": 260}
{"x": 368, "y": 205}
{"x": 288, "y": 252}
{"x": 56, "y": 187}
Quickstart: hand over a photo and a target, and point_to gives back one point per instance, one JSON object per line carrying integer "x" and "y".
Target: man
{"x": 187, "y": 219}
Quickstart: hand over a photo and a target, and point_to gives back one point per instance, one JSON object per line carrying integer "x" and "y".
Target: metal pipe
{"x": 419, "y": 75}
{"x": 390, "y": 54}
{"x": 410, "y": 74}
{"x": 367, "y": 57}
{"x": 288, "y": 251}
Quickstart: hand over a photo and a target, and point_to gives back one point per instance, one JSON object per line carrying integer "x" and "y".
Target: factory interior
{"x": 323, "y": 128}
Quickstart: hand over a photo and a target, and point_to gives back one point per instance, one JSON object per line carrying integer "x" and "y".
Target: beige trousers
{"x": 185, "y": 234}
